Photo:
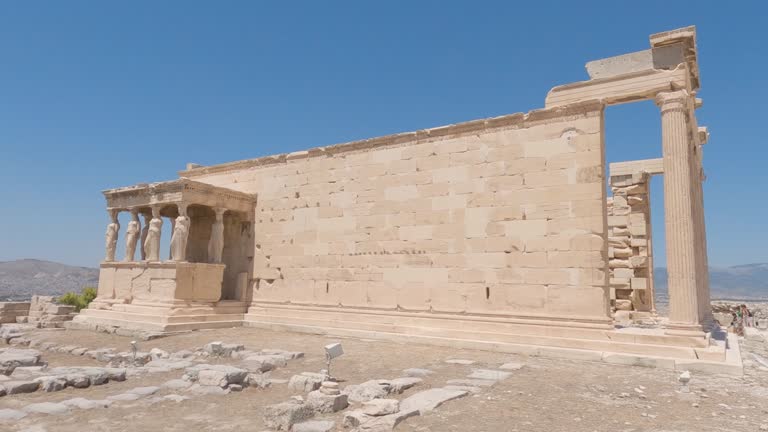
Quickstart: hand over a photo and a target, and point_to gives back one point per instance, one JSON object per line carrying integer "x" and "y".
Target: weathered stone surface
{"x": 11, "y": 358}
{"x": 50, "y": 408}
{"x": 124, "y": 397}
{"x": 86, "y": 404}
{"x": 472, "y": 382}
{"x": 314, "y": 426}
{"x": 216, "y": 373}
{"x": 379, "y": 407}
{"x": 52, "y": 383}
{"x": 77, "y": 380}
{"x": 176, "y": 384}
{"x": 325, "y": 403}
{"x": 208, "y": 390}
{"x": 428, "y": 400}
{"x": 17, "y": 387}
{"x": 399, "y": 385}
{"x": 386, "y": 423}
{"x": 306, "y": 381}
{"x": 263, "y": 362}
{"x": 463, "y": 388}
{"x": 284, "y": 415}
{"x": 416, "y": 372}
{"x": 222, "y": 349}
{"x": 258, "y": 380}
{"x": 488, "y": 374}
{"x": 167, "y": 365}
{"x": 11, "y": 415}
{"x": 145, "y": 391}
{"x": 176, "y": 398}
{"x": 374, "y": 389}
{"x": 288, "y": 355}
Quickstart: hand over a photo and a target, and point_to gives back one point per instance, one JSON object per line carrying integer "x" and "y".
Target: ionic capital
{"x": 673, "y": 100}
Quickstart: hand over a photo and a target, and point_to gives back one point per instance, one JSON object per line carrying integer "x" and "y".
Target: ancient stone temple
{"x": 491, "y": 233}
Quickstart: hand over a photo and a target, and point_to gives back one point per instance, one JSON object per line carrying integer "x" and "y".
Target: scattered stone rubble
{"x": 44, "y": 312}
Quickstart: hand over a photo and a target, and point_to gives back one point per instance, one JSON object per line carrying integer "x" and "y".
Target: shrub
{"x": 79, "y": 301}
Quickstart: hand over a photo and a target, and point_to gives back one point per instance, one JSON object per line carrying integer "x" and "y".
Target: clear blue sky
{"x": 95, "y": 95}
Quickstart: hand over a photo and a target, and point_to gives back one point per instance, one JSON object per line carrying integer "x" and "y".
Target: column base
{"x": 685, "y": 329}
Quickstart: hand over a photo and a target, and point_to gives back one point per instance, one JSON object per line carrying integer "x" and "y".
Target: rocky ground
{"x": 249, "y": 383}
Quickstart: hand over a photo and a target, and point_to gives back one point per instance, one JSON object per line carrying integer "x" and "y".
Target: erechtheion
{"x": 491, "y": 233}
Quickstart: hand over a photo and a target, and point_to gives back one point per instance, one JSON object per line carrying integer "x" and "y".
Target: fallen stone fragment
{"x": 11, "y": 358}
{"x": 263, "y": 362}
{"x": 306, "y": 381}
{"x": 314, "y": 426}
{"x": 288, "y": 355}
{"x": 471, "y": 382}
{"x": 258, "y": 380}
{"x": 207, "y": 390}
{"x": 325, "y": 403}
{"x": 167, "y": 365}
{"x": 79, "y": 351}
{"x": 123, "y": 397}
{"x": 380, "y": 407}
{"x": 460, "y": 361}
{"x": 511, "y": 366}
{"x": 17, "y": 387}
{"x": 416, "y": 372}
{"x": 11, "y": 415}
{"x": 284, "y": 415}
{"x": 399, "y": 385}
{"x": 183, "y": 354}
{"x": 176, "y": 384}
{"x": 52, "y": 383}
{"x": 145, "y": 391}
{"x": 77, "y": 380}
{"x": 374, "y": 389}
{"x": 362, "y": 422}
{"x": 232, "y": 374}
{"x": 222, "y": 349}
{"x": 157, "y": 354}
{"x": 428, "y": 400}
{"x": 50, "y": 408}
{"x": 86, "y": 404}
{"x": 488, "y": 374}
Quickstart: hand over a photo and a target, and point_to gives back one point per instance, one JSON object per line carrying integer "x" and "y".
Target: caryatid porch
{"x": 203, "y": 280}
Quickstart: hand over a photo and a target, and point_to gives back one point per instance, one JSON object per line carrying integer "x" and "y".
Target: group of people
{"x": 742, "y": 317}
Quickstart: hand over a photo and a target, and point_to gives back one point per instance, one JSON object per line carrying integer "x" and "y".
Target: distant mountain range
{"x": 746, "y": 281}
{"x": 20, "y": 279}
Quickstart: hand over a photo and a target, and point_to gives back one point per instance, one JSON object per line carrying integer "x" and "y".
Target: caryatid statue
{"x": 152, "y": 243}
{"x": 111, "y": 237}
{"x": 144, "y": 232}
{"x": 132, "y": 234}
{"x": 180, "y": 236}
{"x": 216, "y": 243}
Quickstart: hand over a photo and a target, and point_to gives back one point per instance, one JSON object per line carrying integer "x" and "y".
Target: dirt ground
{"x": 545, "y": 395}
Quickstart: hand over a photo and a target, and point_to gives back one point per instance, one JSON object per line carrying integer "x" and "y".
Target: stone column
{"x": 216, "y": 243}
{"x": 132, "y": 234}
{"x": 679, "y": 214}
{"x": 152, "y": 243}
{"x": 180, "y": 235}
{"x": 111, "y": 236}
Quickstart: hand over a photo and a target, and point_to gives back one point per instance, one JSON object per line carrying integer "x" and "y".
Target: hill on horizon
{"x": 21, "y": 279}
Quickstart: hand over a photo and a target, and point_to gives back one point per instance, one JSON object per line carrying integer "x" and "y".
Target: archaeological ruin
{"x": 495, "y": 233}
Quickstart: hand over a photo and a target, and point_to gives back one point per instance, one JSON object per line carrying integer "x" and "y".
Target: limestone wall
{"x": 9, "y": 311}
{"x": 629, "y": 243}
{"x": 498, "y": 216}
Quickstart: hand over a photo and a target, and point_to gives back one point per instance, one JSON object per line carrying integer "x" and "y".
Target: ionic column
{"x": 180, "y": 235}
{"x": 111, "y": 236}
{"x": 132, "y": 234}
{"x": 682, "y": 262}
{"x": 152, "y": 242}
{"x": 216, "y": 243}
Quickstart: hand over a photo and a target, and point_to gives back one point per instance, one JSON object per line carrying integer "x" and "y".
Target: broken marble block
{"x": 220, "y": 378}
{"x": 362, "y": 422}
{"x": 314, "y": 426}
{"x": 428, "y": 400}
{"x": 327, "y": 399}
{"x": 231, "y": 374}
{"x": 222, "y": 349}
{"x": 374, "y": 389}
{"x": 284, "y": 415}
{"x": 263, "y": 362}
{"x": 380, "y": 407}
{"x": 11, "y": 358}
{"x": 306, "y": 381}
